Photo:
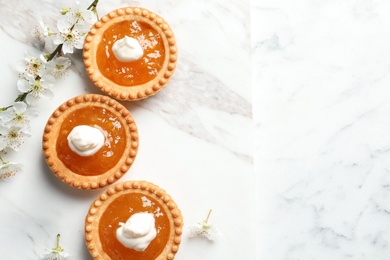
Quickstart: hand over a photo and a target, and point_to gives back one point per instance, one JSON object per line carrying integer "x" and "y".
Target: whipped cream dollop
{"x": 138, "y": 231}
{"x": 85, "y": 140}
{"x": 127, "y": 49}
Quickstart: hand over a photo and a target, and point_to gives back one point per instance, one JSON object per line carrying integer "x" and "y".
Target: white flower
{"x": 74, "y": 26}
{"x": 80, "y": 14}
{"x": 31, "y": 65}
{"x": 57, "y": 67}
{"x": 56, "y": 253}
{"x": 9, "y": 169}
{"x": 45, "y": 34}
{"x": 19, "y": 114}
{"x": 36, "y": 87}
{"x": 43, "y": 31}
{"x": 203, "y": 229}
{"x": 12, "y": 137}
{"x": 70, "y": 35}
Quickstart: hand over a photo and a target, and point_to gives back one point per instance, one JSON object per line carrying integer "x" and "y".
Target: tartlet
{"x": 109, "y": 163}
{"x": 116, "y": 205}
{"x": 130, "y": 80}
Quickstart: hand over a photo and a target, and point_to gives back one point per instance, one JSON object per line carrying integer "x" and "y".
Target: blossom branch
{"x": 93, "y": 6}
{"x": 54, "y": 53}
{"x": 38, "y": 74}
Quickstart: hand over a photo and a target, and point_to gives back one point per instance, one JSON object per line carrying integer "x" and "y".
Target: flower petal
{"x": 32, "y": 112}
{"x": 3, "y": 144}
{"x": 63, "y": 61}
{"x": 6, "y": 116}
{"x": 3, "y": 130}
{"x": 32, "y": 99}
{"x": 21, "y": 66}
{"x": 58, "y": 39}
{"x": 79, "y": 43}
{"x": 50, "y": 45}
{"x": 67, "y": 47}
{"x": 23, "y": 85}
{"x": 48, "y": 93}
{"x": 49, "y": 78}
{"x": 19, "y": 107}
{"x": 64, "y": 25}
{"x": 89, "y": 16}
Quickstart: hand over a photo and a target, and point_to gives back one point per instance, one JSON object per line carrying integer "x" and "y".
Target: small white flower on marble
{"x": 19, "y": 115}
{"x": 203, "y": 229}
{"x": 56, "y": 253}
{"x": 36, "y": 87}
{"x": 8, "y": 169}
{"x": 58, "y": 66}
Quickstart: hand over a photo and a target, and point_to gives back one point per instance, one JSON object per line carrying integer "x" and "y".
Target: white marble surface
{"x": 195, "y": 135}
{"x": 321, "y": 80}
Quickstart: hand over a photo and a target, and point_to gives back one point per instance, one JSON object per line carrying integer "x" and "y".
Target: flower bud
{"x": 64, "y": 10}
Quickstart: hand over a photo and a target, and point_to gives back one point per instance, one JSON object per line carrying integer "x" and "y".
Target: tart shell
{"x": 51, "y": 133}
{"x": 136, "y": 92}
{"x": 99, "y": 206}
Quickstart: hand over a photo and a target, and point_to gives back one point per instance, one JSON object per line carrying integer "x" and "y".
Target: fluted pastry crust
{"x": 51, "y": 133}
{"x": 139, "y": 91}
{"x": 99, "y": 206}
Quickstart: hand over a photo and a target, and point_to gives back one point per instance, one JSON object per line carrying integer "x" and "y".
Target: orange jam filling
{"x": 119, "y": 211}
{"x": 135, "y": 72}
{"x": 110, "y": 153}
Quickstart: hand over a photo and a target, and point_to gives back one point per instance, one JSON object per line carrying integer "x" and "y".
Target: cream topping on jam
{"x": 138, "y": 231}
{"x": 85, "y": 140}
{"x": 127, "y": 49}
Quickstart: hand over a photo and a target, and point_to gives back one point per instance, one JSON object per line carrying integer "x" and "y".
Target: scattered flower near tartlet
{"x": 203, "y": 229}
{"x": 56, "y": 253}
